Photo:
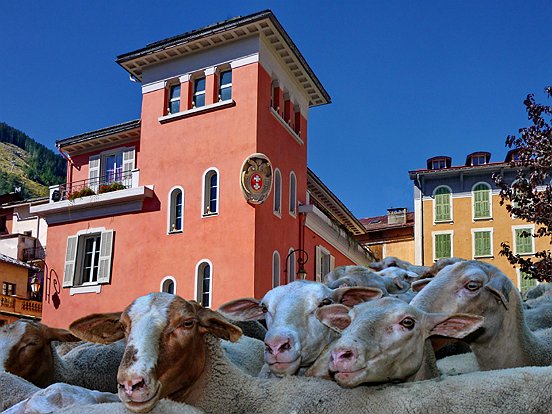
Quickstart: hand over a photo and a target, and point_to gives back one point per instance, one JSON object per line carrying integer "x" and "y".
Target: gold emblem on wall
{"x": 256, "y": 178}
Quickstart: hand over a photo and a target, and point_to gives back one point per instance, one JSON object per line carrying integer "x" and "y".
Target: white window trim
{"x": 451, "y": 220}
{"x": 524, "y": 226}
{"x": 293, "y": 213}
{"x": 490, "y": 217}
{"x": 171, "y": 84}
{"x": 204, "y": 185}
{"x": 220, "y": 70}
{"x": 434, "y": 233}
{"x": 172, "y": 279}
{"x": 277, "y": 213}
{"x": 288, "y": 265}
{"x": 170, "y": 210}
{"x": 320, "y": 252}
{"x": 479, "y": 230}
{"x": 197, "y": 280}
{"x": 195, "y": 77}
{"x": 276, "y": 254}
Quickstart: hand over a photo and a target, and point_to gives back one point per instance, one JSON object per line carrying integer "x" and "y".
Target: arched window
{"x": 292, "y": 194}
{"x": 204, "y": 283}
{"x": 168, "y": 285}
{"x": 277, "y": 192}
{"x": 442, "y": 204}
{"x": 291, "y": 263}
{"x": 275, "y": 269}
{"x": 481, "y": 195}
{"x": 210, "y": 192}
{"x": 176, "y": 210}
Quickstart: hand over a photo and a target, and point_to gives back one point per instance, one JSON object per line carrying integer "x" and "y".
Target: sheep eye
{"x": 408, "y": 323}
{"x": 188, "y": 324}
{"x": 473, "y": 285}
{"x": 325, "y": 302}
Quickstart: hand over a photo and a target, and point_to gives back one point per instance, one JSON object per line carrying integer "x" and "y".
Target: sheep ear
{"x": 351, "y": 296}
{"x": 61, "y": 335}
{"x": 398, "y": 282}
{"x": 102, "y": 328}
{"x": 246, "y": 309}
{"x": 500, "y": 286}
{"x": 214, "y": 323}
{"x": 335, "y": 317}
{"x": 456, "y": 326}
{"x": 420, "y": 284}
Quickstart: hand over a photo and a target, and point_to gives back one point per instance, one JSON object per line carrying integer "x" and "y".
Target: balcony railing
{"x": 20, "y": 306}
{"x": 34, "y": 253}
{"x": 113, "y": 181}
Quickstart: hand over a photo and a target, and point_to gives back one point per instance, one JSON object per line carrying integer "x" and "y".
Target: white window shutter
{"x": 106, "y": 250}
{"x": 318, "y": 264}
{"x": 94, "y": 172}
{"x": 70, "y": 260}
{"x": 128, "y": 166}
{"x": 332, "y": 263}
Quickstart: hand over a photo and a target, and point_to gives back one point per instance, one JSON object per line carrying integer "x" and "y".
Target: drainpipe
{"x": 302, "y": 218}
{"x": 421, "y": 215}
{"x": 69, "y": 176}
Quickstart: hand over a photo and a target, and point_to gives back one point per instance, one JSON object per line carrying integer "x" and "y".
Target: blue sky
{"x": 408, "y": 79}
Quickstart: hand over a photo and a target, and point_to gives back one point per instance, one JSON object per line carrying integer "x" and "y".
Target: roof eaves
{"x": 115, "y": 129}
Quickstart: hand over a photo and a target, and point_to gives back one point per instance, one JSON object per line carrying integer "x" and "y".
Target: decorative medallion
{"x": 256, "y": 178}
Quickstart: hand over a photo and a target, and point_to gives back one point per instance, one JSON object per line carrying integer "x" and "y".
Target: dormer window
{"x": 438, "y": 163}
{"x": 199, "y": 93}
{"x": 478, "y": 158}
{"x": 225, "y": 85}
{"x": 174, "y": 99}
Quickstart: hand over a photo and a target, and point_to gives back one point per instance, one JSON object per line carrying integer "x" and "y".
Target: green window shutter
{"x": 524, "y": 244}
{"x": 443, "y": 246}
{"x": 106, "y": 249}
{"x": 442, "y": 204}
{"x": 70, "y": 261}
{"x": 482, "y": 241}
{"x": 525, "y": 283}
{"x": 481, "y": 201}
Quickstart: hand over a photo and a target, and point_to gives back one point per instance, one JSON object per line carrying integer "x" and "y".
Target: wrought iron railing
{"x": 113, "y": 181}
{"x": 34, "y": 253}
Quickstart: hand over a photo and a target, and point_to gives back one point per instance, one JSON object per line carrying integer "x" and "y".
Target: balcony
{"x": 20, "y": 306}
{"x": 34, "y": 253}
{"x": 102, "y": 196}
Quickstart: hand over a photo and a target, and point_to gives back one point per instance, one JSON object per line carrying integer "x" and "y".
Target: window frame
{"x": 206, "y": 193}
{"x": 200, "y": 266}
{"x": 171, "y": 99}
{"x": 276, "y": 259}
{"x": 78, "y": 280}
{"x": 530, "y": 228}
{"x": 196, "y": 94}
{"x": 434, "y": 244}
{"x": 291, "y": 265}
{"x": 165, "y": 280}
{"x": 489, "y": 230}
{"x": 277, "y": 202}
{"x": 489, "y": 191}
{"x": 97, "y": 167}
{"x": 6, "y": 286}
{"x": 450, "y": 219}
{"x": 321, "y": 253}
{"x": 222, "y": 86}
{"x": 520, "y": 278}
{"x": 171, "y": 213}
{"x": 292, "y": 194}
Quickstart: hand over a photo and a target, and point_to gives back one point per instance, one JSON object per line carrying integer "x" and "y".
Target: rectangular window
{"x": 478, "y": 160}
{"x": 325, "y": 263}
{"x": 443, "y": 245}
{"x": 482, "y": 243}
{"x": 481, "y": 202}
{"x": 90, "y": 259}
{"x": 109, "y": 169}
{"x": 525, "y": 283}
{"x": 174, "y": 99}
{"x": 8, "y": 289}
{"x": 524, "y": 241}
{"x": 225, "y": 85}
{"x": 199, "y": 93}
{"x": 438, "y": 164}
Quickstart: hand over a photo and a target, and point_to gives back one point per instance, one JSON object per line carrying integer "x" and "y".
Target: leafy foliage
{"x": 43, "y": 166}
{"x": 529, "y": 197}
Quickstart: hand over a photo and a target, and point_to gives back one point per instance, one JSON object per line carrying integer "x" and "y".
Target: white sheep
{"x": 173, "y": 352}
{"x": 479, "y": 288}
{"x": 14, "y": 389}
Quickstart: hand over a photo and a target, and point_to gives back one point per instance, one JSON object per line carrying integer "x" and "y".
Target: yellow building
{"x": 458, "y": 214}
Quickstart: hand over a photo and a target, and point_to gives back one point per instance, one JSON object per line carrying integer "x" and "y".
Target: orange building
{"x": 208, "y": 194}
{"x": 458, "y": 213}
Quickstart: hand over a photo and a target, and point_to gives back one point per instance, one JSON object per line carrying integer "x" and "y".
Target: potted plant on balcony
{"x": 107, "y": 188}
{"x": 81, "y": 193}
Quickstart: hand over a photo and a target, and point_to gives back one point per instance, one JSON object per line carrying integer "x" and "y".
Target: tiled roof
{"x": 11, "y": 260}
{"x": 380, "y": 222}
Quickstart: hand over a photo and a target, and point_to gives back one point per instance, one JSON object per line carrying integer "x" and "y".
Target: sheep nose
{"x": 132, "y": 385}
{"x": 344, "y": 355}
{"x": 278, "y": 345}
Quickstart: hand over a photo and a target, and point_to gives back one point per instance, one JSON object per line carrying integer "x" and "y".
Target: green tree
{"x": 529, "y": 197}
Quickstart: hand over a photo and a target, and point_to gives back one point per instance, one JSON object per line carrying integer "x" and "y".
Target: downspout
{"x": 422, "y": 216}
{"x": 302, "y": 218}
{"x": 69, "y": 176}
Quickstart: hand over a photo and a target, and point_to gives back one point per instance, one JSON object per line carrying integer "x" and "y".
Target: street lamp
{"x": 301, "y": 261}
{"x": 35, "y": 285}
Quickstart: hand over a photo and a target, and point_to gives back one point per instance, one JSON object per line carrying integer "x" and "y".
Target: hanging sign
{"x": 256, "y": 178}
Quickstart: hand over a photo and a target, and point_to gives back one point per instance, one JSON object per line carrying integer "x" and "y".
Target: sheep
{"x": 356, "y": 276}
{"x": 27, "y": 350}
{"x": 173, "y": 351}
{"x": 385, "y": 340}
{"x": 165, "y": 406}
{"x": 14, "y": 389}
{"x": 479, "y": 288}
{"x": 538, "y": 313}
{"x": 538, "y": 291}
{"x": 295, "y": 337}
{"x": 389, "y": 261}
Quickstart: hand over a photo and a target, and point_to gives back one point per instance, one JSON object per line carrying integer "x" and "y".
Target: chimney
{"x": 396, "y": 215}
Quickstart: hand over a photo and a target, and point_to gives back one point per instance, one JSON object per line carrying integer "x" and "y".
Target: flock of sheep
{"x": 392, "y": 338}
